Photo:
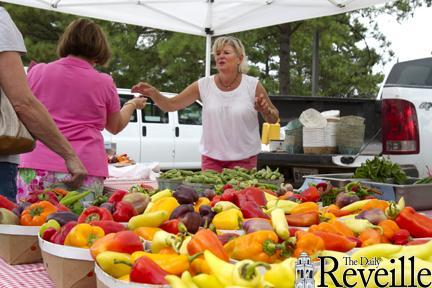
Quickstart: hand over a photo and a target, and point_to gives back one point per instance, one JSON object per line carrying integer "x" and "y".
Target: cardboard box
{"x": 19, "y": 244}
{"x": 68, "y": 267}
{"x": 106, "y": 281}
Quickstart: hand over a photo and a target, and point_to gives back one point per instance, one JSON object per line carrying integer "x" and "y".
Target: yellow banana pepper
{"x": 176, "y": 282}
{"x": 163, "y": 239}
{"x": 221, "y": 269}
{"x": 223, "y": 206}
{"x": 286, "y": 205}
{"x": 228, "y": 220}
{"x": 269, "y": 197}
{"x": 282, "y": 275}
{"x": 161, "y": 194}
{"x": 83, "y": 235}
{"x": 246, "y": 273}
{"x": 186, "y": 277}
{"x": 151, "y": 219}
{"x": 146, "y": 233}
{"x": 207, "y": 281}
{"x": 355, "y": 206}
{"x": 108, "y": 261}
{"x": 171, "y": 263}
{"x": 167, "y": 204}
{"x": 280, "y": 223}
{"x": 422, "y": 251}
{"x": 378, "y": 250}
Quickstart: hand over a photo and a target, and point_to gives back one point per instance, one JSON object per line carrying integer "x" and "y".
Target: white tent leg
{"x": 208, "y": 55}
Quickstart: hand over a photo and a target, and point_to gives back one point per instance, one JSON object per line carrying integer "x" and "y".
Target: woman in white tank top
{"x": 231, "y": 102}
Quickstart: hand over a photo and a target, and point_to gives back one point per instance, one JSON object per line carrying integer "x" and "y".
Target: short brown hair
{"x": 85, "y": 38}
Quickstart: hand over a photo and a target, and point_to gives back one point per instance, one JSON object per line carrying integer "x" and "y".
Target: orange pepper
{"x": 335, "y": 210}
{"x": 390, "y": 227}
{"x": 258, "y": 246}
{"x": 376, "y": 203}
{"x": 146, "y": 232}
{"x": 167, "y": 250}
{"x": 309, "y": 243}
{"x": 305, "y": 207}
{"x": 336, "y": 242}
{"x": 341, "y": 227}
{"x": 36, "y": 214}
{"x": 198, "y": 266}
{"x": 369, "y": 237}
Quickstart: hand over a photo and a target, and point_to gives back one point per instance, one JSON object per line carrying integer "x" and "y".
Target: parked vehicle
{"x": 407, "y": 114}
{"x": 170, "y": 138}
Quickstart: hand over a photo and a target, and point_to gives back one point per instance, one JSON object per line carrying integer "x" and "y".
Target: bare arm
{"x": 264, "y": 105}
{"x": 117, "y": 121}
{"x": 34, "y": 115}
{"x": 180, "y": 101}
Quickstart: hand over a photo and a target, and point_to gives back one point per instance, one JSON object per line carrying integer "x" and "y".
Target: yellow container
{"x": 274, "y": 132}
{"x": 265, "y": 133}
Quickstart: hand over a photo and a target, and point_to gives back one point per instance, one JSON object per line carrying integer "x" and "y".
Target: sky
{"x": 411, "y": 39}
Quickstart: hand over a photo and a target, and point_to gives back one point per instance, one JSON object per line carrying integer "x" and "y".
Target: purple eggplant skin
{"x": 254, "y": 225}
{"x": 108, "y": 206}
{"x": 181, "y": 210}
{"x": 185, "y": 195}
{"x": 192, "y": 221}
{"x": 345, "y": 198}
{"x": 205, "y": 210}
{"x": 20, "y": 207}
{"x": 63, "y": 217}
{"x": 206, "y": 220}
{"x": 209, "y": 193}
{"x": 224, "y": 238}
{"x": 374, "y": 215}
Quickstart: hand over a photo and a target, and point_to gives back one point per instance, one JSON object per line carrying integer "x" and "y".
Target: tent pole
{"x": 208, "y": 54}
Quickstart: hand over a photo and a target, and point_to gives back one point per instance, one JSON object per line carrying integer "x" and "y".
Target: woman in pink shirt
{"x": 82, "y": 102}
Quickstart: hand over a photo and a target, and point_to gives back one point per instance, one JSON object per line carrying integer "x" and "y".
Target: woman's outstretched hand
{"x": 145, "y": 89}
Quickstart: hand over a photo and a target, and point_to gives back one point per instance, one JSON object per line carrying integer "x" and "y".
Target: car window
{"x": 190, "y": 115}
{"x": 153, "y": 114}
{"x": 411, "y": 73}
{"x": 123, "y": 99}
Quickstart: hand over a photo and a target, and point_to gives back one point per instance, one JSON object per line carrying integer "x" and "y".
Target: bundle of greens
{"x": 381, "y": 169}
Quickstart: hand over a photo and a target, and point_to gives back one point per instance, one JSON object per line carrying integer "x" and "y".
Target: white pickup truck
{"x": 170, "y": 138}
{"x": 407, "y": 114}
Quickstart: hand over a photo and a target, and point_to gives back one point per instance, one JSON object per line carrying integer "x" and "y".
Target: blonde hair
{"x": 239, "y": 49}
{"x": 84, "y": 38}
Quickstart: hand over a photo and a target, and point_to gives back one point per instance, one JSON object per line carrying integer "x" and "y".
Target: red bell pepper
{"x": 94, "y": 213}
{"x": 255, "y": 194}
{"x": 311, "y": 194}
{"x": 171, "y": 226}
{"x": 303, "y": 219}
{"x": 123, "y": 242}
{"x": 401, "y": 237}
{"x": 419, "y": 226}
{"x": 117, "y": 196}
{"x": 6, "y": 203}
{"x": 123, "y": 211}
{"x": 145, "y": 270}
{"x": 48, "y": 233}
{"x": 109, "y": 226}
{"x": 250, "y": 209}
{"x": 228, "y": 195}
{"x": 60, "y": 236}
{"x": 227, "y": 186}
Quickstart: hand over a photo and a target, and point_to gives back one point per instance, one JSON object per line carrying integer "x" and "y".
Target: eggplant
{"x": 254, "y": 225}
{"x": 192, "y": 221}
{"x": 374, "y": 215}
{"x": 345, "y": 198}
{"x": 205, "y": 210}
{"x": 185, "y": 195}
{"x": 207, "y": 215}
{"x": 63, "y": 217}
{"x": 181, "y": 210}
{"x": 138, "y": 200}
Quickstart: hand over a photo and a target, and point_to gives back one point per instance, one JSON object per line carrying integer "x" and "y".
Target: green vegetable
{"x": 381, "y": 169}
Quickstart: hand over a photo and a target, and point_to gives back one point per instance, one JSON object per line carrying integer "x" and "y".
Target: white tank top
{"x": 229, "y": 119}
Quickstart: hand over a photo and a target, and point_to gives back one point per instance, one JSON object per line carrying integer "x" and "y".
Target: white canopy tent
{"x": 201, "y": 17}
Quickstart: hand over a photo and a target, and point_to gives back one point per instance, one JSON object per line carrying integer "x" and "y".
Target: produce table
{"x": 27, "y": 275}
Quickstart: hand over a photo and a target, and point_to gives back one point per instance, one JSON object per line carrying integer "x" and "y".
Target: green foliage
{"x": 171, "y": 61}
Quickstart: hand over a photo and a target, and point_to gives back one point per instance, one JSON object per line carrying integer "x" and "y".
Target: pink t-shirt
{"x": 79, "y": 99}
